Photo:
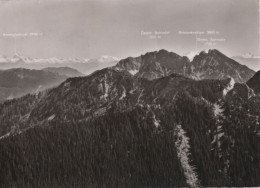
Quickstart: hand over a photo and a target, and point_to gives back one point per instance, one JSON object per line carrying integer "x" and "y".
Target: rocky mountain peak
{"x": 208, "y": 64}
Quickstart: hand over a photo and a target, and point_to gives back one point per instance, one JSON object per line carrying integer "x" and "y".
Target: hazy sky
{"x": 91, "y": 28}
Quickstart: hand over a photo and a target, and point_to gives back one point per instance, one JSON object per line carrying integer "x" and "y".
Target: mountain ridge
{"x": 107, "y": 125}
{"x": 86, "y": 66}
{"x": 210, "y": 64}
{"x": 66, "y": 71}
{"x": 17, "y": 82}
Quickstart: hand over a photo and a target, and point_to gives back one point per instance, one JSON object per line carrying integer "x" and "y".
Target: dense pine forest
{"x": 126, "y": 150}
{"x": 118, "y": 150}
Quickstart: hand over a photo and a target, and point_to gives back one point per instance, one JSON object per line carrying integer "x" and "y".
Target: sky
{"x": 122, "y": 28}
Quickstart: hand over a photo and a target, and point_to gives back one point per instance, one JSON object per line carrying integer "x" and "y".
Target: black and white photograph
{"x": 129, "y": 93}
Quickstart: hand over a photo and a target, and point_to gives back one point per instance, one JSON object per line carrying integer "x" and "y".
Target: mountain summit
{"x": 210, "y": 64}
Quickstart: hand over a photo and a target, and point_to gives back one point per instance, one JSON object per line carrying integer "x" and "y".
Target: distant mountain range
{"x": 65, "y": 71}
{"x": 158, "y": 120}
{"x": 86, "y": 66}
{"x": 19, "y": 81}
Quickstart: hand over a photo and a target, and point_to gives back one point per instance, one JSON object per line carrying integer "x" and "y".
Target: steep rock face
{"x": 215, "y": 65}
{"x": 130, "y": 64}
{"x": 254, "y": 82}
{"x": 154, "y": 65}
{"x": 210, "y": 64}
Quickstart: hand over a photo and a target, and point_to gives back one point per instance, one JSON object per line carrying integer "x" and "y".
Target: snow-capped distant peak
{"x": 250, "y": 55}
{"x": 29, "y": 60}
{"x": 86, "y": 59}
{"x": 55, "y": 60}
{"x": 15, "y": 58}
{"x": 106, "y": 58}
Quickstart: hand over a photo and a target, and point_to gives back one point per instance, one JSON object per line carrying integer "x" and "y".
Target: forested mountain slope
{"x": 115, "y": 129}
